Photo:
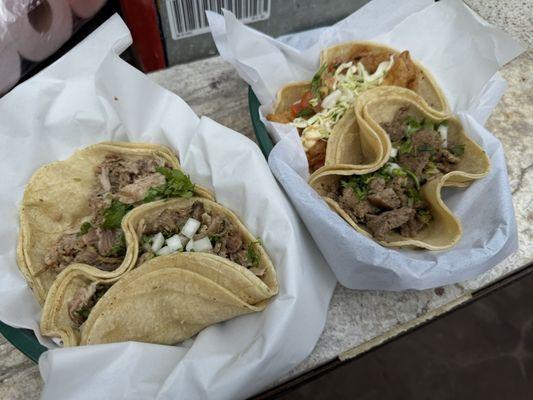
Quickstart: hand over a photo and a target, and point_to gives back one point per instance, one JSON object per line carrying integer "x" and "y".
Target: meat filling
{"x": 84, "y": 300}
{"x": 225, "y": 238}
{"x": 382, "y": 202}
{"x": 335, "y": 88}
{"x": 120, "y": 185}
{"x": 422, "y": 146}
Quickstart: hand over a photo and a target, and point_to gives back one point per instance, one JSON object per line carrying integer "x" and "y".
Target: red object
{"x": 141, "y": 18}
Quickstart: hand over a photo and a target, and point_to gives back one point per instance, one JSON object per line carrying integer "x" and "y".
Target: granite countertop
{"x": 359, "y": 320}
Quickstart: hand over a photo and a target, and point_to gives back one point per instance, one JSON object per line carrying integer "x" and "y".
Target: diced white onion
{"x": 163, "y": 251}
{"x": 203, "y": 244}
{"x": 190, "y": 227}
{"x": 174, "y": 243}
{"x": 157, "y": 242}
{"x": 190, "y": 245}
{"x": 443, "y": 132}
{"x": 393, "y": 152}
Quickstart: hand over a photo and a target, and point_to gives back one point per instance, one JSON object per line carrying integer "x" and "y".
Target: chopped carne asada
{"x": 84, "y": 300}
{"x": 421, "y": 146}
{"x": 120, "y": 186}
{"x": 196, "y": 229}
{"x": 335, "y": 88}
{"x": 383, "y": 201}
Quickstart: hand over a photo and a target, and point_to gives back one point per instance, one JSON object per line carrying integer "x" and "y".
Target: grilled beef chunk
{"x": 382, "y": 224}
{"x": 386, "y": 199}
{"x": 420, "y": 147}
{"x": 414, "y": 162}
{"x": 382, "y": 203}
{"x": 355, "y": 206}
{"x": 414, "y": 225}
{"x": 396, "y": 128}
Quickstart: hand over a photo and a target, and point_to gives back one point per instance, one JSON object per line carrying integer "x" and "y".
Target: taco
{"x": 207, "y": 268}
{"x": 399, "y": 204}
{"x": 72, "y": 210}
{"x": 346, "y": 71}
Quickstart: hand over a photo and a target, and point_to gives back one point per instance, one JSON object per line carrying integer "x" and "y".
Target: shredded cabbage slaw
{"x": 349, "y": 81}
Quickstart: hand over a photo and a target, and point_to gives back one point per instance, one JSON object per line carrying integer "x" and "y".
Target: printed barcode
{"x": 187, "y": 17}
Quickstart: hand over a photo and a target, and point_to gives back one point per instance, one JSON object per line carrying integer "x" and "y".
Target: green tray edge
{"x": 263, "y": 138}
{"x": 24, "y": 340}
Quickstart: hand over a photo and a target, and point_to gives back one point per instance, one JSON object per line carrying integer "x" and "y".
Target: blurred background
{"x": 34, "y": 33}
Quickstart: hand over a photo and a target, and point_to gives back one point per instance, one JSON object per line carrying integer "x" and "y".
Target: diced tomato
{"x": 303, "y": 103}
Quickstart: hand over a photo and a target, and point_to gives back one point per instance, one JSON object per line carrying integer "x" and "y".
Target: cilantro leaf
{"x": 252, "y": 253}
{"x": 426, "y": 147}
{"x": 406, "y": 147}
{"x": 119, "y": 247}
{"x": 457, "y": 150}
{"x": 315, "y": 82}
{"x": 83, "y": 312}
{"x": 412, "y": 125}
{"x": 114, "y": 213}
{"x": 306, "y": 112}
{"x": 177, "y": 185}
{"x": 358, "y": 184}
{"x": 84, "y": 228}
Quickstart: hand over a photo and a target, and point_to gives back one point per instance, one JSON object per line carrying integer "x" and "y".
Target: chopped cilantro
{"x": 406, "y": 147}
{"x": 315, "y": 82}
{"x": 119, "y": 247}
{"x": 357, "y": 184}
{"x": 412, "y": 125}
{"x": 425, "y": 147}
{"x": 214, "y": 238}
{"x": 83, "y": 312}
{"x": 306, "y": 112}
{"x": 413, "y": 177}
{"x": 252, "y": 254}
{"x": 114, "y": 213}
{"x": 429, "y": 125}
{"x": 146, "y": 239}
{"x": 424, "y": 215}
{"x": 457, "y": 150}
{"x": 177, "y": 185}
{"x": 413, "y": 194}
{"x": 84, "y": 228}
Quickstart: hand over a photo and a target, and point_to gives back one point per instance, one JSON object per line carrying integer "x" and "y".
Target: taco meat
{"x": 421, "y": 146}
{"x": 219, "y": 236}
{"x": 83, "y": 300}
{"x": 120, "y": 184}
{"x": 384, "y": 201}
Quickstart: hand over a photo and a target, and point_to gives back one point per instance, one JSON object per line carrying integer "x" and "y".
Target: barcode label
{"x": 187, "y": 17}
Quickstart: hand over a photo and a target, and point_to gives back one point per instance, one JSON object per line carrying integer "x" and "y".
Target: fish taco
{"x": 320, "y": 108}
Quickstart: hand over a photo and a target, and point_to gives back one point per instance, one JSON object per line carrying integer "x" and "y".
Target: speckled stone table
{"x": 359, "y": 320}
